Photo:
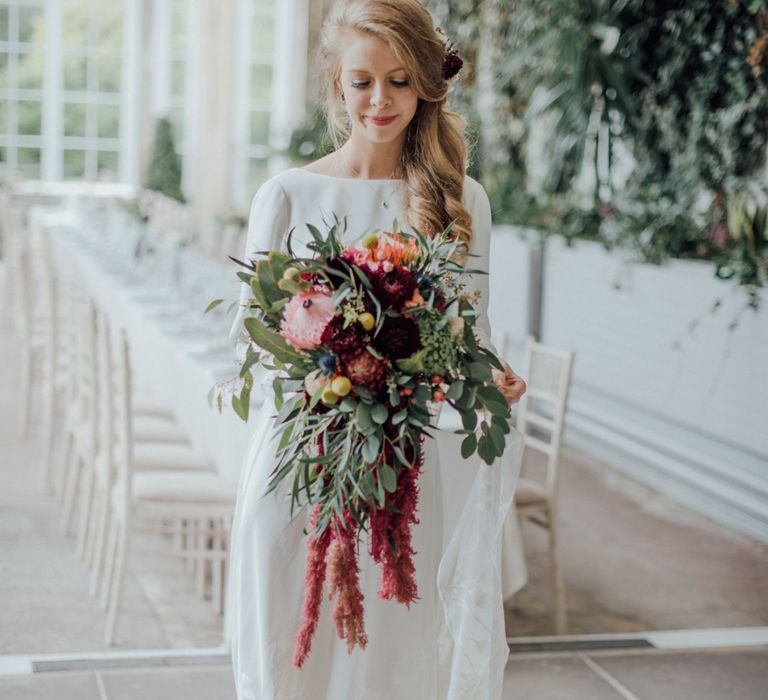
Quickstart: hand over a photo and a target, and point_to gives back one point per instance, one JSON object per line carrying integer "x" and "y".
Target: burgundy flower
{"x": 345, "y": 342}
{"x": 452, "y": 64}
{"x": 393, "y": 288}
{"x": 399, "y": 337}
{"x": 366, "y": 370}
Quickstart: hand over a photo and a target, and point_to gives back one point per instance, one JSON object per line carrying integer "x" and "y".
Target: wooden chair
{"x": 149, "y": 500}
{"x": 541, "y": 419}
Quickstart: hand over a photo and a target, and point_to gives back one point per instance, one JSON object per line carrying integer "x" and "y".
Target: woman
{"x": 403, "y": 157}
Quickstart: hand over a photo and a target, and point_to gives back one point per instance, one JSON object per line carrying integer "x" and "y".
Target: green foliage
{"x": 164, "y": 174}
{"x": 683, "y": 86}
{"x": 311, "y": 141}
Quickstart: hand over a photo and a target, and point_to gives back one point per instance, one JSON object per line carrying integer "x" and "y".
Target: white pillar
{"x": 289, "y": 74}
{"x": 130, "y": 94}
{"x": 52, "y": 88}
{"x": 240, "y": 99}
{"x": 161, "y": 58}
{"x": 192, "y": 72}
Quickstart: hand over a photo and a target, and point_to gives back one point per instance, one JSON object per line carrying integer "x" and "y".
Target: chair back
{"x": 541, "y": 411}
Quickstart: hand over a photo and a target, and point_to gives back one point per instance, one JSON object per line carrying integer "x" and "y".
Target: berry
{"x": 341, "y": 386}
{"x": 367, "y": 320}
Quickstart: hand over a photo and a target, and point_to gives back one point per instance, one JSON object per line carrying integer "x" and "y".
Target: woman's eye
{"x": 359, "y": 84}
{"x": 400, "y": 83}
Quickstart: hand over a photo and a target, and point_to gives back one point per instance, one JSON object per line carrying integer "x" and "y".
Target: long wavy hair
{"x": 434, "y": 157}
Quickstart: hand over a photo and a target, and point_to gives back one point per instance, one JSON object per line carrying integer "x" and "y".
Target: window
{"x": 22, "y": 24}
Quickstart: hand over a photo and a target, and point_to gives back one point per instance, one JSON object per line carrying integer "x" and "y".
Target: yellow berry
{"x": 370, "y": 241}
{"x": 341, "y": 386}
{"x": 367, "y": 320}
{"x": 329, "y": 396}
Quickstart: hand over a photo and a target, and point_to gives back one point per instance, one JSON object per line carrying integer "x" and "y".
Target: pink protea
{"x": 305, "y": 318}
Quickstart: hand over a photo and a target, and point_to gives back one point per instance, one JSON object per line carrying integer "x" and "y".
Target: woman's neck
{"x": 371, "y": 161}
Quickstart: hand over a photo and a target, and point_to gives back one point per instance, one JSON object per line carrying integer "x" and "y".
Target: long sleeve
{"x": 267, "y": 224}
{"x": 476, "y": 201}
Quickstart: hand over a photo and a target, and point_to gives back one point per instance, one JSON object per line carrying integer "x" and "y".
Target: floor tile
{"x": 171, "y": 684}
{"x": 554, "y": 679}
{"x": 50, "y": 687}
{"x": 735, "y": 675}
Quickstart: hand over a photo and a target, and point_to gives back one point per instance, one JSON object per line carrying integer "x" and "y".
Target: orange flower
{"x": 396, "y": 249}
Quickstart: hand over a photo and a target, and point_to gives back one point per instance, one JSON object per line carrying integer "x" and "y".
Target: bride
{"x": 400, "y": 154}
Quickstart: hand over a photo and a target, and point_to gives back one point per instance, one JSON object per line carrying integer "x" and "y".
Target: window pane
{"x": 176, "y": 115}
{"x": 177, "y": 77}
{"x": 4, "y": 23}
{"x": 74, "y": 163}
{"x": 74, "y": 23}
{"x": 30, "y": 69}
{"x": 261, "y": 82}
{"x": 3, "y": 69}
{"x": 74, "y": 73}
{"x": 179, "y": 25}
{"x": 109, "y": 26}
{"x": 3, "y": 116}
{"x": 3, "y": 154}
{"x": 109, "y": 121}
{"x": 257, "y": 173}
{"x": 74, "y": 119}
{"x": 30, "y": 117}
{"x": 259, "y": 127}
{"x": 29, "y": 162}
{"x": 262, "y": 38}
{"x": 30, "y": 23}
{"x": 109, "y": 74}
{"x": 107, "y": 164}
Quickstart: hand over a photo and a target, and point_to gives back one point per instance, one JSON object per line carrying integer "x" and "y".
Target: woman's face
{"x": 378, "y": 96}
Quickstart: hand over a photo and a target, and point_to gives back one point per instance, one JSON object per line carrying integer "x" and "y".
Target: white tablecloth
{"x": 166, "y": 371}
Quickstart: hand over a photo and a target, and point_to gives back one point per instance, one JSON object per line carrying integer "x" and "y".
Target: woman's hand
{"x": 509, "y": 384}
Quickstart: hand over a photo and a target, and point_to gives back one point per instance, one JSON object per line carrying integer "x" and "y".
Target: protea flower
{"x": 305, "y": 318}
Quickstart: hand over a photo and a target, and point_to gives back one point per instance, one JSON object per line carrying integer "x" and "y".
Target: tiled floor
{"x": 712, "y": 675}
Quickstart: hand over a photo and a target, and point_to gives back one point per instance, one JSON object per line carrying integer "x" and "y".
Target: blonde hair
{"x": 434, "y": 157}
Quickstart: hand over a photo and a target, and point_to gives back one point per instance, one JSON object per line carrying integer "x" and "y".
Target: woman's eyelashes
{"x": 362, "y": 84}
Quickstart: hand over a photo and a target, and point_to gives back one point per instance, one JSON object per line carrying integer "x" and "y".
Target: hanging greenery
{"x": 164, "y": 174}
{"x": 677, "y": 89}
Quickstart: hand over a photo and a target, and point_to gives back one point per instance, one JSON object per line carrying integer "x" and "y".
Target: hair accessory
{"x": 452, "y": 62}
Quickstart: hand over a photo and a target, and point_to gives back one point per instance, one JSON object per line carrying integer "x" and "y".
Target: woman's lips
{"x": 382, "y": 121}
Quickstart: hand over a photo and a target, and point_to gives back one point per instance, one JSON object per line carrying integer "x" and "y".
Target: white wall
{"x": 684, "y": 412}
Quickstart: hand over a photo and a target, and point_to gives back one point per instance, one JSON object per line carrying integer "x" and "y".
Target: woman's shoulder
{"x": 474, "y": 192}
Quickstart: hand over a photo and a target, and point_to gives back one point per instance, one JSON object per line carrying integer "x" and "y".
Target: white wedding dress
{"x": 450, "y": 644}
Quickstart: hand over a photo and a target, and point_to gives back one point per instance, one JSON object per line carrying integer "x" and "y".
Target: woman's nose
{"x": 380, "y": 96}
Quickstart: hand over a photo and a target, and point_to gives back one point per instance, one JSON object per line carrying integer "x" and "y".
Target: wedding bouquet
{"x": 364, "y": 342}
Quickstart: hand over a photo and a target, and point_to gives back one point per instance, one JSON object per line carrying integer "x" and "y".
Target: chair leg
{"x": 63, "y": 466}
{"x": 115, "y": 598}
{"x": 70, "y": 490}
{"x": 200, "y": 558}
{"x": 85, "y": 512}
{"x": 217, "y": 560}
{"x": 109, "y": 565}
{"x": 100, "y": 544}
{"x": 25, "y": 398}
{"x": 48, "y": 406}
{"x": 558, "y": 587}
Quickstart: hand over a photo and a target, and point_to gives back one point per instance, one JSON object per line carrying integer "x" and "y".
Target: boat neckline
{"x": 347, "y": 179}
